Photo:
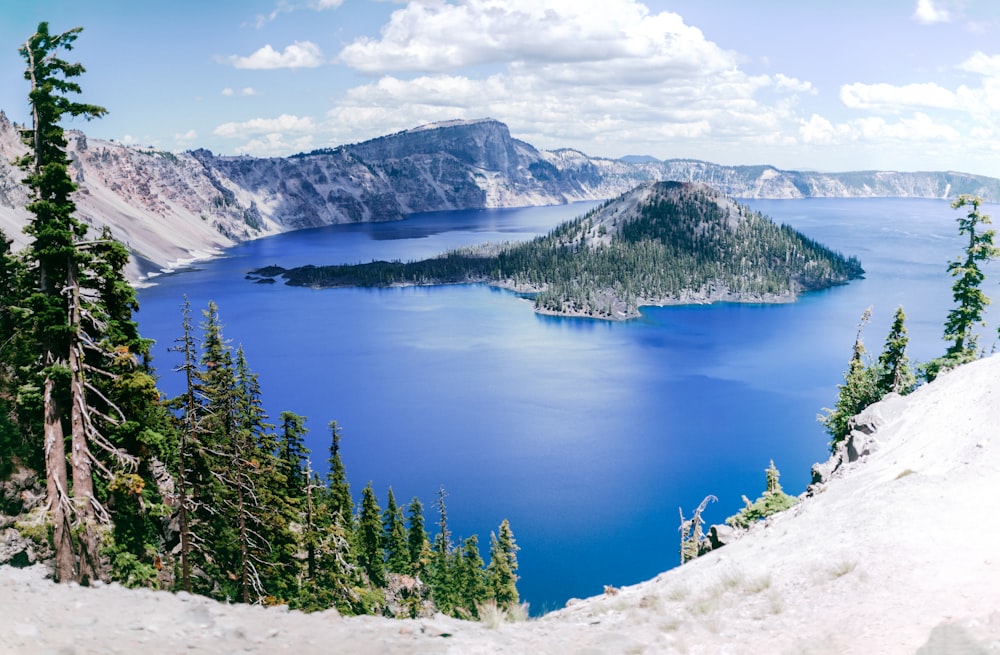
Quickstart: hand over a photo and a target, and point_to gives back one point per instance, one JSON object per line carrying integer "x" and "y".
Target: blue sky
{"x": 827, "y": 85}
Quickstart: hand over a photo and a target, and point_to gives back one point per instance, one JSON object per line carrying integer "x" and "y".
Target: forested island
{"x": 661, "y": 243}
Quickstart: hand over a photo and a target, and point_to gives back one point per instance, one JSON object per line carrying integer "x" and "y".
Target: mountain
{"x": 170, "y": 208}
{"x": 896, "y": 553}
{"x": 660, "y": 243}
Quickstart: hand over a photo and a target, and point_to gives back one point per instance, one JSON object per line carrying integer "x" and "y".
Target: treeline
{"x": 198, "y": 493}
{"x": 681, "y": 241}
{"x": 868, "y": 380}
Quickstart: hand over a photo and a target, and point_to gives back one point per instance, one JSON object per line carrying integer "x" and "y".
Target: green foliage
{"x": 371, "y": 555}
{"x": 502, "y": 570}
{"x": 894, "y": 372}
{"x": 681, "y": 241}
{"x": 397, "y": 552}
{"x": 417, "y": 543}
{"x": 859, "y": 390}
{"x": 970, "y": 300}
{"x": 772, "y": 501}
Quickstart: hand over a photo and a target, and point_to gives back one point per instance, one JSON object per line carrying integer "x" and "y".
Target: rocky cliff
{"x": 170, "y": 207}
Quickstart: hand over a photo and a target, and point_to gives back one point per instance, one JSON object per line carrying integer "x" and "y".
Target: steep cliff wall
{"x": 171, "y": 207}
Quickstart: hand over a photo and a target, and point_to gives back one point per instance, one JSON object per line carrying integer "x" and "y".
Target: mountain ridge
{"x": 171, "y": 208}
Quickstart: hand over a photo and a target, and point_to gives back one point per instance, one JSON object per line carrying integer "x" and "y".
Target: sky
{"x": 819, "y": 84}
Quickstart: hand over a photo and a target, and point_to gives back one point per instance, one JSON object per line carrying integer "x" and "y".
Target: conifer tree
{"x": 970, "y": 300}
{"x": 397, "y": 553}
{"x": 15, "y": 356}
{"x": 502, "y": 569}
{"x": 340, "y": 488}
{"x": 858, "y": 391}
{"x": 470, "y": 577}
{"x": 442, "y": 562}
{"x": 292, "y": 452}
{"x": 92, "y": 360}
{"x": 417, "y": 542}
{"x": 895, "y": 374}
{"x": 189, "y": 406}
{"x": 371, "y": 555}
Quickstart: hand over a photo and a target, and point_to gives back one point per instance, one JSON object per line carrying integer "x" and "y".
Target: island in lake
{"x": 661, "y": 243}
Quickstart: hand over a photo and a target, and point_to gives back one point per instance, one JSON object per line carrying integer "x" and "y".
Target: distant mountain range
{"x": 169, "y": 208}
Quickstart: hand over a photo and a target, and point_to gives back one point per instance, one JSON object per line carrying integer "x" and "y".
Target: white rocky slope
{"x": 900, "y": 553}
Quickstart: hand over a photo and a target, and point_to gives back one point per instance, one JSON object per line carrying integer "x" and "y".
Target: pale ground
{"x": 900, "y": 555}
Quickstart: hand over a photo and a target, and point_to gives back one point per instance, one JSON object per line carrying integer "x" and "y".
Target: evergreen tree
{"x": 971, "y": 301}
{"x": 859, "y": 390}
{"x": 17, "y": 440}
{"x": 895, "y": 374}
{"x": 189, "y": 406}
{"x": 417, "y": 543}
{"x": 441, "y": 578}
{"x": 92, "y": 366}
{"x": 371, "y": 555}
{"x": 397, "y": 552}
{"x": 339, "y": 487}
{"x": 292, "y": 452}
{"x": 470, "y": 577}
{"x": 502, "y": 569}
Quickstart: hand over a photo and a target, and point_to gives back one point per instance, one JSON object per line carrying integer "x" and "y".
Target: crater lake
{"x": 587, "y": 435}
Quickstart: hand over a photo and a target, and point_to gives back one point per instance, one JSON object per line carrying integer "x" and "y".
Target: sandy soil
{"x": 901, "y": 554}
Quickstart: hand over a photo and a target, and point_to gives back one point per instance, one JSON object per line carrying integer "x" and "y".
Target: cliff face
{"x": 173, "y": 207}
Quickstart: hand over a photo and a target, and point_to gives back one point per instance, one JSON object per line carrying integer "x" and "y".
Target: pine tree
{"x": 292, "y": 452}
{"x": 858, "y": 391}
{"x": 971, "y": 301}
{"x": 371, "y": 555}
{"x": 339, "y": 487}
{"x": 92, "y": 360}
{"x": 441, "y": 574}
{"x": 418, "y": 546}
{"x": 502, "y": 569}
{"x": 189, "y": 406}
{"x": 16, "y": 429}
{"x": 470, "y": 577}
{"x": 895, "y": 374}
{"x": 397, "y": 553}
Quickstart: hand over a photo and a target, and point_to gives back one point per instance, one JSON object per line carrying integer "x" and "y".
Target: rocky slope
{"x": 895, "y": 553}
{"x": 172, "y": 207}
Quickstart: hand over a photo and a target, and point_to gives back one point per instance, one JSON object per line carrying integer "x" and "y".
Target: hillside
{"x": 170, "y": 208}
{"x": 895, "y": 554}
{"x": 660, "y": 243}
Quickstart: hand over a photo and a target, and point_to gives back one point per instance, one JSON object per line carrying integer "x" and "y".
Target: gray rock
{"x": 720, "y": 535}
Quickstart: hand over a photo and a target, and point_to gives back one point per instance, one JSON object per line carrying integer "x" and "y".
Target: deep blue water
{"x": 587, "y": 435}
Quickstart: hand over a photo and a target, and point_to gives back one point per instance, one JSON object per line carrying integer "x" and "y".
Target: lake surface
{"x": 587, "y": 435}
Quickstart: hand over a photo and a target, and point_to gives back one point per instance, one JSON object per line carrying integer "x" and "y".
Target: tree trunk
{"x": 55, "y": 484}
{"x": 85, "y": 516}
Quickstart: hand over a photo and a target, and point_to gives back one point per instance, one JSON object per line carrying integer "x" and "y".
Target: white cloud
{"x": 606, "y": 72}
{"x": 186, "y": 137}
{"x": 276, "y": 144}
{"x": 614, "y": 34}
{"x": 286, "y": 123}
{"x": 982, "y": 64}
{"x": 245, "y": 91}
{"x": 326, "y": 4}
{"x": 927, "y": 12}
{"x": 888, "y": 96}
{"x": 301, "y": 54}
